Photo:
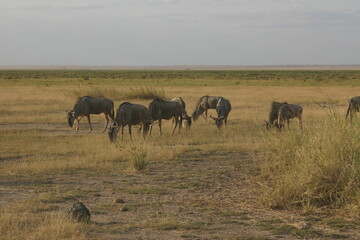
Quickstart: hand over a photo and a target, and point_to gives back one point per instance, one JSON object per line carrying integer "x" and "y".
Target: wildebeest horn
{"x": 213, "y": 117}
{"x": 222, "y": 117}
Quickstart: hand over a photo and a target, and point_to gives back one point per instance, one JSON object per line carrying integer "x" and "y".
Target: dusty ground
{"x": 198, "y": 195}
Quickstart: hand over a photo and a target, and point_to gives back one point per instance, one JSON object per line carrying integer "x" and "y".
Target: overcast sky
{"x": 179, "y": 32}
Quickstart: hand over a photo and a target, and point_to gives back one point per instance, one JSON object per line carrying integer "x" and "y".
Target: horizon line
{"x": 185, "y": 67}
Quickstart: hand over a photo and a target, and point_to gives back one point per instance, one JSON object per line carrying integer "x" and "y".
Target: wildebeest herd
{"x": 175, "y": 109}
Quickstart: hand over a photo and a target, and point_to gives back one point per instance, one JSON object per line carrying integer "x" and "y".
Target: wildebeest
{"x": 205, "y": 103}
{"x": 223, "y": 108}
{"x": 354, "y": 106}
{"x": 273, "y": 114}
{"x": 186, "y": 118}
{"x": 130, "y": 114}
{"x": 87, "y": 105}
{"x": 287, "y": 112}
{"x": 161, "y": 109}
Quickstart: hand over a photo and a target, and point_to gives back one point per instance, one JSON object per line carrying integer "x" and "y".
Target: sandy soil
{"x": 198, "y": 195}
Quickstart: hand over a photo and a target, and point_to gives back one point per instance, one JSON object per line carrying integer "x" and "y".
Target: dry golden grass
{"x": 122, "y": 93}
{"x": 20, "y": 221}
{"x": 315, "y": 167}
{"x": 303, "y": 166}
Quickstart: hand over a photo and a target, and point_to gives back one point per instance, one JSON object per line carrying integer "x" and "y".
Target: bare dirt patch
{"x": 198, "y": 195}
{"x": 53, "y": 129}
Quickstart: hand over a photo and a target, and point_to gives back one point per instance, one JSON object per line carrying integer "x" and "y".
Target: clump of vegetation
{"x": 315, "y": 167}
{"x": 186, "y": 77}
{"x": 99, "y": 92}
{"x": 145, "y": 93}
{"x": 114, "y": 94}
{"x": 138, "y": 159}
{"x": 20, "y": 222}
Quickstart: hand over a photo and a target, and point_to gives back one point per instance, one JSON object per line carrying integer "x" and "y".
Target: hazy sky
{"x": 179, "y": 32}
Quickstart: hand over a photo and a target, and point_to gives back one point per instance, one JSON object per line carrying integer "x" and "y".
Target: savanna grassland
{"x": 240, "y": 182}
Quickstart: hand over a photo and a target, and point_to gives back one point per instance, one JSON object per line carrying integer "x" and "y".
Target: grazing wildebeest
{"x": 130, "y": 114}
{"x": 161, "y": 109}
{"x": 287, "y": 112}
{"x": 354, "y": 106}
{"x": 273, "y": 114}
{"x": 223, "y": 107}
{"x": 205, "y": 103}
{"x": 87, "y": 105}
{"x": 186, "y": 118}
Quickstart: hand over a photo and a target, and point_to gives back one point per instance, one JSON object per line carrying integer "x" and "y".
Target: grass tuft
{"x": 145, "y": 93}
{"x": 114, "y": 94}
{"x": 138, "y": 159}
{"x": 28, "y": 225}
{"x": 315, "y": 167}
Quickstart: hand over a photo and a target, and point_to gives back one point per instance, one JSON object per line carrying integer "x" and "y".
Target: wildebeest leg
{"x": 88, "y": 117}
{"x": 78, "y": 123}
{"x": 180, "y": 123}
{"x": 150, "y": 129}
{"x": 288, "y": 123}
{"x": 122, "y": 132}
{"x": 160, "y": 126}
{"x": 130, "y": 132}
{"x": 205, "y": 115}
{"x": 145, "y": 129}
{"x": 106, "y": 122}
{"x": 300, "y": 122}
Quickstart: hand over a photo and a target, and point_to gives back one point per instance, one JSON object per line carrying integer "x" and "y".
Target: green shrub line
{"x": 186, "y": 77}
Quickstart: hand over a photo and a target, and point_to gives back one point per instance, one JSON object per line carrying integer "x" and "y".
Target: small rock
{"x": 124, "y": 209}
{"x": 97, "y": 195}
{"x": 118, "y": 200}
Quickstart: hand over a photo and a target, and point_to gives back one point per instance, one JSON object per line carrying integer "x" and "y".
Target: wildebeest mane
{"x": 182, "y": 103}
{"x": 200, "y": 100}
{"x": 124, "y": 103}
{"x": 78, "y": 100}
{"x": 152, "y": 105}
{"x": 158, "y": 100}
{"x": 122, "y": 106}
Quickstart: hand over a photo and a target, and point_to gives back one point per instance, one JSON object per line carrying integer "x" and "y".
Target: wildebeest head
{"x": 113, "y": 132}
{"x": 269, "y": 125}
{"x": 187, "y": 121}
{"x": 219, "y": 121}
{"x": 147, "y": 125}
{"x": 71, "y": 118}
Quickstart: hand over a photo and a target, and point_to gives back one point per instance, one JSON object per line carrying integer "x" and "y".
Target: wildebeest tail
{"x": 279, "y": 116}
{"x": 112, "y": 112}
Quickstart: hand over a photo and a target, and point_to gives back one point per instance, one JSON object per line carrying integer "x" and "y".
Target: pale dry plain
{"x": 200, "y": 184}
